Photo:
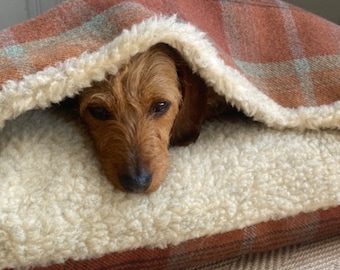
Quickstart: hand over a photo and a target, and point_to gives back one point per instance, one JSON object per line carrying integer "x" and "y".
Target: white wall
{"x": 16, "y": 11}
{"x": 329, "y": 9}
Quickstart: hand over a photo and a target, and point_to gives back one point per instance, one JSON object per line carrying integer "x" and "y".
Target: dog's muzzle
{"x": 138, "y": 181}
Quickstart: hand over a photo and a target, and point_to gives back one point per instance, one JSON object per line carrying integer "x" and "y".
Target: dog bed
{"x": 245, "y": 186}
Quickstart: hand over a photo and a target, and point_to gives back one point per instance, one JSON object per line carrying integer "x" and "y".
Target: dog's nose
{"x": 136, "y": 182}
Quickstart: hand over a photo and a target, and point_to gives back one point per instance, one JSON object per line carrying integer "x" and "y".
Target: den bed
{"x": 246, "y": 185}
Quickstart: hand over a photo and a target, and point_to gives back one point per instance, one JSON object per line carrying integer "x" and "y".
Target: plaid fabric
{"x": 211, "y": 249}
{"x": 290, "y": 55}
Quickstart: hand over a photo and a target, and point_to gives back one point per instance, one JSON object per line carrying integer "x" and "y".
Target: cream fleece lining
{"x": 56, "y": 203}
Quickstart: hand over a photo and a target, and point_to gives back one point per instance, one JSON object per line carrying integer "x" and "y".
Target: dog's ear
{"x": 187, "y": 125}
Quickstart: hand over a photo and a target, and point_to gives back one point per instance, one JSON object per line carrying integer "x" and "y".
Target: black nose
{"x": 136, "y": 181}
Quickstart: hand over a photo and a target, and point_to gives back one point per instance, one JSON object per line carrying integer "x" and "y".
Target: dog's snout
{"x": 136, "y": 181}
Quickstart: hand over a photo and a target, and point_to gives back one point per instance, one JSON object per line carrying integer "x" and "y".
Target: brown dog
{"x": 152, "y": 101}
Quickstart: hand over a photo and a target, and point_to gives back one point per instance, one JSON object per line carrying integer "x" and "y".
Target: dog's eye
{"x": 100, "y": 113}
{"x": 159, "y": 108}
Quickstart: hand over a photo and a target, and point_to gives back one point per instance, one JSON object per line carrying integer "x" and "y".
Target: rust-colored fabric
{"x": 202, "y": 251}
{"x": 287, "y": 53}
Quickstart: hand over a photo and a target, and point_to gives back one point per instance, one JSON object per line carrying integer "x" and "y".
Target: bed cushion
{"x": 246, "y": 185}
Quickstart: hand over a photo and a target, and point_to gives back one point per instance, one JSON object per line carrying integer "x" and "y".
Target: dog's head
{"x": 152, "y": 101}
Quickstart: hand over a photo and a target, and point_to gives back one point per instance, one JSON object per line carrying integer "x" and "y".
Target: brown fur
{"x": 131, "y": 129}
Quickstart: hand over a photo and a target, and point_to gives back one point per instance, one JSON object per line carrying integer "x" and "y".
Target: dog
{"x": 155, "y": 100}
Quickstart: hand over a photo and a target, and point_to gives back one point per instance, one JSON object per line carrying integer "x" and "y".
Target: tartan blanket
{"x": 275, "y": 62}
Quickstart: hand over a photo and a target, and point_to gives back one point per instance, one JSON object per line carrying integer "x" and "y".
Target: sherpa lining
{"x": 56, "y": 204}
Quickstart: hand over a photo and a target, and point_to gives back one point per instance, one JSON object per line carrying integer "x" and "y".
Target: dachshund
{"x": 155, "y": 100}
